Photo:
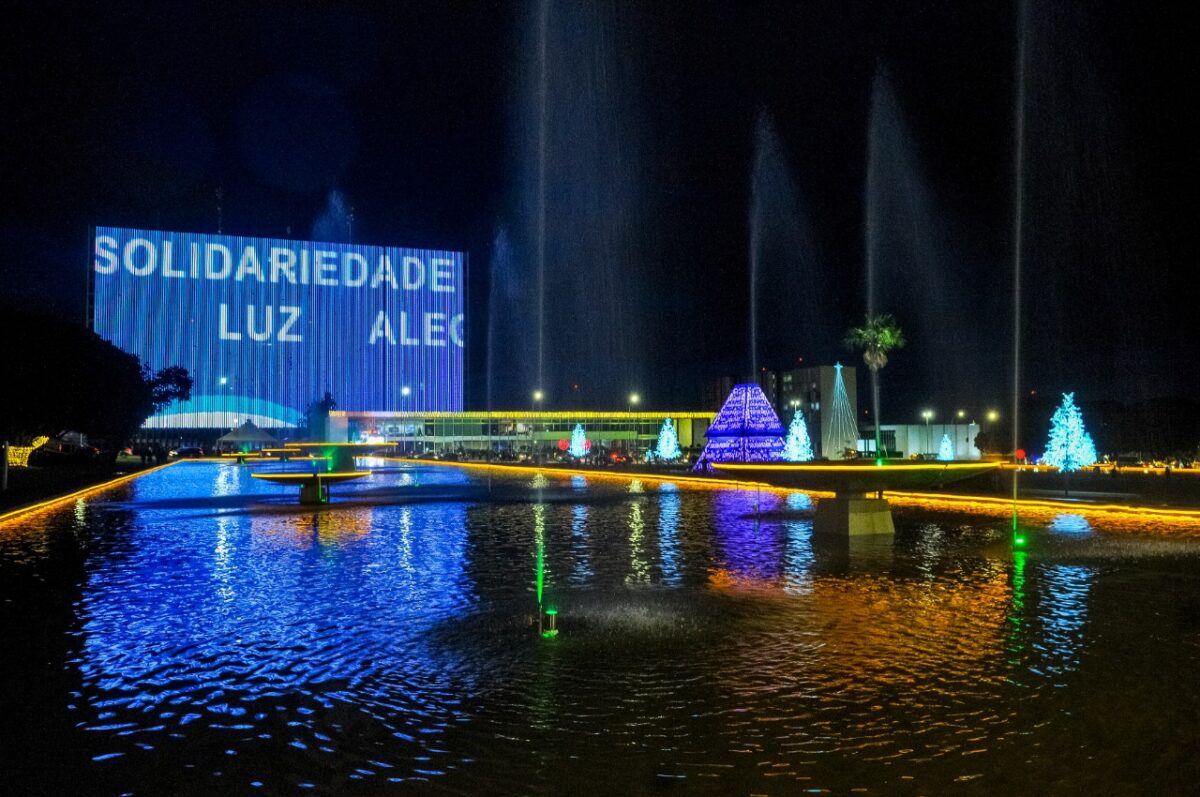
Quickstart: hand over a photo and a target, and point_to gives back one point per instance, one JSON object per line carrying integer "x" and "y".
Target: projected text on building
{"x": 268, "y": 326}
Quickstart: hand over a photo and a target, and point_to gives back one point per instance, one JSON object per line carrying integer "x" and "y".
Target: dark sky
{"x": 676, "y": 133}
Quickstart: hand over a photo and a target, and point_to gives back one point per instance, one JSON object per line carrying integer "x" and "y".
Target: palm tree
{"x": 878, "y": 335}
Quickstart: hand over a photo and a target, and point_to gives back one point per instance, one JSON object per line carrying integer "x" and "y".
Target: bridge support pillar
{"x": 852, "y": 515}
{"x": 313, "y": 492}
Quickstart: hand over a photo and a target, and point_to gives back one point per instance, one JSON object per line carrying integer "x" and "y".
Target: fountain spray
{"x": 1018, "y": 218}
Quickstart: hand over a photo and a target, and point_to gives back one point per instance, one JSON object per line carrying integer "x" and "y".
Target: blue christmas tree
{"x": 1070, "y": 446}
{"x": 579, "y": 443}
{"x": 797, "y": 447}
{"x": 668, "y": 442}
{"x": 946, "y": 449}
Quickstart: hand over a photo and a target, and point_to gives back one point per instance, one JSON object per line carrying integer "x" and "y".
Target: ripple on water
{"x": 389, "y": 638}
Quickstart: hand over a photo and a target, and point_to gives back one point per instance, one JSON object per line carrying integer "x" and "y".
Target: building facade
{"x": 516, "y": 433}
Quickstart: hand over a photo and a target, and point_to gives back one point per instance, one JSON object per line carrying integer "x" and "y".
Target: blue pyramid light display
{"x": 946, "y": 449}
{"x": 745, "y": 430}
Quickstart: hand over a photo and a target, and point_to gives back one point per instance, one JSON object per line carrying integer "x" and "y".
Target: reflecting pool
{"x": 197, "y": 629}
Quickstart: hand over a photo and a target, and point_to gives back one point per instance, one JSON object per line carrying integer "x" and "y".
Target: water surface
{"x": 196, "y": 630}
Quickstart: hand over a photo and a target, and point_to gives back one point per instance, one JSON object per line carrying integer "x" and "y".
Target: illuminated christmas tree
{"x": 668, "y": 442}
{"x": 946, "y": 449}
{"x": 797, "y": 447}
{"x": 579, "y": 443}
{"x": 1070, "y": 446}
{"x": 843, "y": 428}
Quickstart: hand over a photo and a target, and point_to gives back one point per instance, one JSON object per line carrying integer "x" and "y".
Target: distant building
{"x": 517, "y": 432}
{"x": 714, "y": 392}
{"x": 812, "y": 390}
{"x": 769, "y": 382}
{"x": 907, "y": 439}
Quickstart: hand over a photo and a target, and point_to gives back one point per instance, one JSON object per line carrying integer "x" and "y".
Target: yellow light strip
{"x": 620, "y": 475}
{"x": 1045, "y": 503}
{"x": 982, "y": 466}
{"x": 95, "y": 488}
{"x": 762, "y": 486}
{"x": 289, "y": 477}
{"x": 301, "y": 446}
{"x": 521, "y": 415}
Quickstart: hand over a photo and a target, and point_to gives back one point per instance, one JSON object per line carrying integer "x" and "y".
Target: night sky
{"x": 663, "y": 121}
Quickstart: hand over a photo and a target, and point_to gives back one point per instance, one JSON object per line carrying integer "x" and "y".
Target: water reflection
{"x": 387, "y": 637}
{"x": 668, "y": 533}
{"x": 1063, "y": 612}
{"x": 639, "y": 566}
{"x": 582, "y": 571}
{"x": 1067, "y": 523}
{"x": 799, "y": 502}
{"x": 750, "y": 547}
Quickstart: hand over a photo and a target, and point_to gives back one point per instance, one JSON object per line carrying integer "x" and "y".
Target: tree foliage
{"x": 878, "y": 335}
{"x": 667, "y": 448}
{"x": 797, "y": 447}
{"x": 1070, "y": 446}
{"x": 59, "y": 376}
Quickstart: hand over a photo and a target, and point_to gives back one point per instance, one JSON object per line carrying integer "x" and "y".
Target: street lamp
{"x": 992, "y": 417}
{"x": 927, "y": 415}
{"x": 406, "y": 391}
{"x": 223, "y": 382}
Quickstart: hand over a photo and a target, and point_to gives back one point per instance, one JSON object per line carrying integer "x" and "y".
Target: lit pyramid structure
{"x": 745, "y": 430}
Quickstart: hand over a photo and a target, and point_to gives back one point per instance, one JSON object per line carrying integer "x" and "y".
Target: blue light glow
{"x": 579, "y": 443}
{"x": 667, "y": 448}
{"x": 745, "y": 430}
{"x": 797, "y": 447}
{"x": 843, "y": 426}
{"x": 945, "y": 449}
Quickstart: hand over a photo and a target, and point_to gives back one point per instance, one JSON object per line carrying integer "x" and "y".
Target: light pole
{"x": 634, "y": 398}
{"x": 992, "y": 417}
{"x": 927, "y": 414}
{"x": 538, "y": 395}
{"x": 961, "y": 415}
{"x": 224, "y": 383}
{"x": 405, "y": 392}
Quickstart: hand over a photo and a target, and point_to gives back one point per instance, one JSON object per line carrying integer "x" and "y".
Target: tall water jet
{"x": 909, "y": 257}
{"x": 543, "y": 15}
{"x": 576, "y": 214}
{"x": 332, "y": 224}
{"x": 1018, "y": 220}
{"x": 785, "y": 276}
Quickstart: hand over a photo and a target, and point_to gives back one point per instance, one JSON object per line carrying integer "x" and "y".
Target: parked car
{"x": 189, "y": 452}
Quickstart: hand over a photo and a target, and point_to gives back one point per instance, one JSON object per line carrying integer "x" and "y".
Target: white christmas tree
{"x": 579, "y": 443}
{"x": 1070, "y": 446}
{"x": 946, "y": 449}
{"x": 797, "y": 447}
{"x": 668, "y": 442}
